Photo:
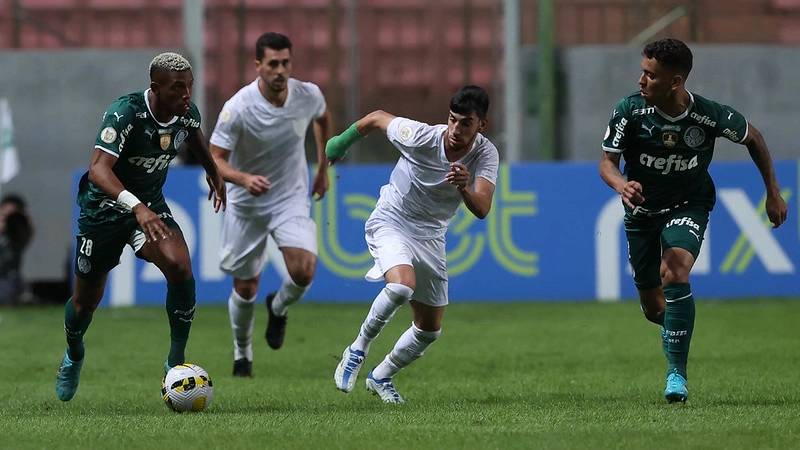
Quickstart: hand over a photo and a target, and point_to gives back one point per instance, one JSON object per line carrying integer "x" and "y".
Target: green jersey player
{"x": 122, "y": 204}
{"x": 666, "y": 135}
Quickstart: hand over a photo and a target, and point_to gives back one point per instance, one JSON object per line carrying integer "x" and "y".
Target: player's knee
{"x": 177, "y": 269}
{"x": 656, "y": 318}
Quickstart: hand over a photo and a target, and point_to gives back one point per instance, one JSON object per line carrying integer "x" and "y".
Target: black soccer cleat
{"x": 243, "y": 368}
{"x": 276, "y": 327}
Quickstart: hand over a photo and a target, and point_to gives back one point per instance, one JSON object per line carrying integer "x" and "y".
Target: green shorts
{"x": 102, "y": 237}
{"x": 648, "y": 237}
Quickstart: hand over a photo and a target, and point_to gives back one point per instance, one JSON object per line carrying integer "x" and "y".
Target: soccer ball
{"x": 187, "y": 388}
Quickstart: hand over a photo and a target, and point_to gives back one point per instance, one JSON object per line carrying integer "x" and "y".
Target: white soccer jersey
{"x": 418, "y": 198}
{"x": 270, "y": 141}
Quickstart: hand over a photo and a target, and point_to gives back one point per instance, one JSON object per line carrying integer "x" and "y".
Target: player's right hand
{"x": 632, "y": 194}
{"x": 153, "y": 227}
{"x": 257, "y": 185}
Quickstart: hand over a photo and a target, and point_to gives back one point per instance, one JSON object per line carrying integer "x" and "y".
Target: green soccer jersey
{"x": 670, "y": 156}
{"x": 144, "y": 147}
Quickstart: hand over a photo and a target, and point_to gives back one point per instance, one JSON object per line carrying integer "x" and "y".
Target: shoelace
{"x": 389, "y": 387}
{"x": 353, "y": 362}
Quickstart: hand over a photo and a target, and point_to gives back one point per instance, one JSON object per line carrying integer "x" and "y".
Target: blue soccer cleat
{"x": 67, "y": 378}
{"x": 384, "y": 388}
{"x": 676, "y": 390}
{"x": 348, "y": 368}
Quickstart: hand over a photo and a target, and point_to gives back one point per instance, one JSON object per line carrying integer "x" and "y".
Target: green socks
{"x": 678, "y": 325}
{"x": 75, "y": 328}
{"x": 180, "y": 311}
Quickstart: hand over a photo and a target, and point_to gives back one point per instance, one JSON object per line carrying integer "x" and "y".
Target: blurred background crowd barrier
{"x": 554, "y": 68}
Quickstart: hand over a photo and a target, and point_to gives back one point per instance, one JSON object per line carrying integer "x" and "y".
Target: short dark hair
{"x": 670, "y": 53}
{"x": 468, "y": 99}
{"x": 16, "y": 199}
{"x": 275, "y": 41}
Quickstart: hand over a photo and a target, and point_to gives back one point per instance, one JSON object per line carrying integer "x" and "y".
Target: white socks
{"x": 240, "y": 311}
{"x": 409, "y": 348}
{"x": 388, "y": 301}
{"x": 288, "y": 293}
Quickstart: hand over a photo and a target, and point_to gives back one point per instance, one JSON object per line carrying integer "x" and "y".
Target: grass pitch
{"x": 503, "y": 375}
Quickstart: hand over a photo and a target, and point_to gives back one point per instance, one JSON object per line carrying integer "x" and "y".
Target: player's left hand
{"x": 776, "y": 210}
{"x": 217, "y": 191}
{"x": 458, "y": 175}
{"x": 320, "y": 186}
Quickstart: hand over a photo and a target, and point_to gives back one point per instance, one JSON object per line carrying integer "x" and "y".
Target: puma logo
{"x": 649, "y": 130}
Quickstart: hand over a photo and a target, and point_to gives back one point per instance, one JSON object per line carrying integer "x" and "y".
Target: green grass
{"x": 521, "y": 375}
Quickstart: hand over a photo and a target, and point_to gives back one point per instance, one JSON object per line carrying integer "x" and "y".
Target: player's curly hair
{"x": 169, "y": 61}
{"x": 670, "y": 53}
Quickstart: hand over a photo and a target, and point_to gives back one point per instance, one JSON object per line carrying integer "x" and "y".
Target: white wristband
{"x": 127, "y": 199}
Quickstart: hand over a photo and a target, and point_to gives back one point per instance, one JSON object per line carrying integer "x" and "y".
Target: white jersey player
{"x": 440, "y": 167}
{"x": 259, "y": 146}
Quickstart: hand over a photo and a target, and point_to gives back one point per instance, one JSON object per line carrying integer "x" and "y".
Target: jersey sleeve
{"x": 320, "y": 98}
{"x": 226, "y": 131}
{"x": 408, "y": 135}
{"x": 488, "y": 163}
{"x": 618, "y": 131}
{"x": 731, "y": 124}
{"x": 117, "y": 125}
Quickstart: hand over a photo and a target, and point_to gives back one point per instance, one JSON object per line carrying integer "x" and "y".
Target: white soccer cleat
{"x": 384, "y": 388}
{"x": 348, "y": 368}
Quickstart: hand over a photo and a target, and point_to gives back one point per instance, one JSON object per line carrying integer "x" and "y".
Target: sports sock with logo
{"x": 180, "y": 310}
{"x": 679, "y": 325}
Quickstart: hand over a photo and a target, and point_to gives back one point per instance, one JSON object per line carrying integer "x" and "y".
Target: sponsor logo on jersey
{"x": 405, "y": 133}
{"x": 730, "y": 134}
{"x": 116, "y": 206}
{"x": 108, "y": 135}
{"x": 705, "y": 120}
{"x": 191, "y": 123}
{"x": 683, "y": 221}
{"x": 619, "y": 132}
{"x": 649, "y": 129}
{"x": 694, "y": 136}
{"x": 164, "y": 139}
{"x": 180, "y": 137}
{"x": 151, "y": 164}
{"x": 672, "y": 163}
{"x": 118, "y": 115}
{"x": 669, "y": 138}
{"x": 141, "y": 115}
{"x": 644, "y": 111}
{"x": 124, "y": 136}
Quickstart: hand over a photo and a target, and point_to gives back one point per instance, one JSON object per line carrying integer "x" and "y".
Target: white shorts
{"x": 243, "y": 241}
{"x": 390, "y": 247}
